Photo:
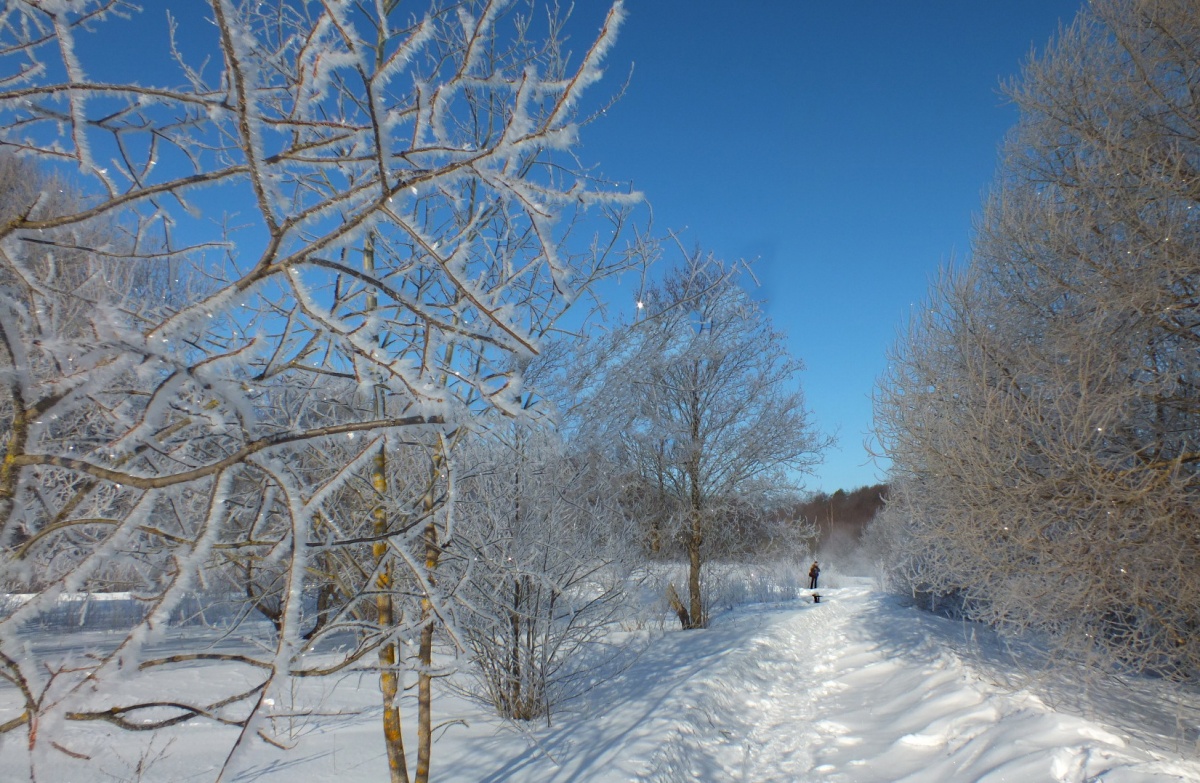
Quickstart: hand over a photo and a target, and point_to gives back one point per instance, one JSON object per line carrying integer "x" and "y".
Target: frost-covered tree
{"x": 1042, "y": 412}
{"x": 548, "y": 560}
{"x": 292, "y": 198}
{"x": 699, "y": 396}
{"x": 550, "y": 564}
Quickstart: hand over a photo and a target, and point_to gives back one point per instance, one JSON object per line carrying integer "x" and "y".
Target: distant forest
{"x": 840, "y": 518}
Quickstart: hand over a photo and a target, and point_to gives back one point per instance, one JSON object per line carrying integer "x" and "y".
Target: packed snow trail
{"x": 850, "y": 690}
{"x": 855, "y": 689}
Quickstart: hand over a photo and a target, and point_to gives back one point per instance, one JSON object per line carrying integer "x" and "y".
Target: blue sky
{"x": 844, "y": 145}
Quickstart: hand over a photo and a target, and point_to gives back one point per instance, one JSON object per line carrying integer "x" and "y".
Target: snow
{"x": 858, "y": 688}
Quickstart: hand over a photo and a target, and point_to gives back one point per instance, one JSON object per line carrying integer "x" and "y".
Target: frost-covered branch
{"x": 198, "y": 365}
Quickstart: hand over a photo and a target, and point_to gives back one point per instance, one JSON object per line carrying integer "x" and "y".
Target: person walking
{"x": 813, "y": 573}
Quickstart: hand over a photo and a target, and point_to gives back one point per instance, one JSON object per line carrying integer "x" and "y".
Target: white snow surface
{"x": 855, "y": 689}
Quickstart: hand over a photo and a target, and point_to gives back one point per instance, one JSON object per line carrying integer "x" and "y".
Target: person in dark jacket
{"x": 813, "y": 573}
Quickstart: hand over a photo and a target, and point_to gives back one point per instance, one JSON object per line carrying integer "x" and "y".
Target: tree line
{"x": 840, "y": 514}
{"x": 1041, "y": 411}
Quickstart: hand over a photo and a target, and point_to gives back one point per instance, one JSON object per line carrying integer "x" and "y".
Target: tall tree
{"x": 1041, "y": 414}
{"x": 699, "y": 396}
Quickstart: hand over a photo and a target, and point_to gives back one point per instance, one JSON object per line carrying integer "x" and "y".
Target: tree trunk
{"x": 425, "y": 649}
{"x": 389, "y": 680}
{"x": 18, "y": 432}
{"x": 677, "y": 606}
{"x": 696, "y": 501}
{"x": 695, "y": 539}
{"x": 327, "y": 594}
{"x": 514, "y": 655}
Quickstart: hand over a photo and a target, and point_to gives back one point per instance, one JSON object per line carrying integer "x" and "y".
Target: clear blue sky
{"x": 844, "y": 145}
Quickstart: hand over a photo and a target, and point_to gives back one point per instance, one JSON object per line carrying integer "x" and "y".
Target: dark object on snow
{"x": 816, "y": 598}
{"x": 813, "y": 573}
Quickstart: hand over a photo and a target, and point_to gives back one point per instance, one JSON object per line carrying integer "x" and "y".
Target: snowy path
{"x": 852, "y": 690}
{"x": 763, "y": 706}
{"x": 856, "y": 689}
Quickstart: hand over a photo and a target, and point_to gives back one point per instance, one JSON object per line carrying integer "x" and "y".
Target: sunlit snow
{"x": 858, "y": 688}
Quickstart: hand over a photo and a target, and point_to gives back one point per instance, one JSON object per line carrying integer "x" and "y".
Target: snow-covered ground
{"x": 855, "y": 688}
